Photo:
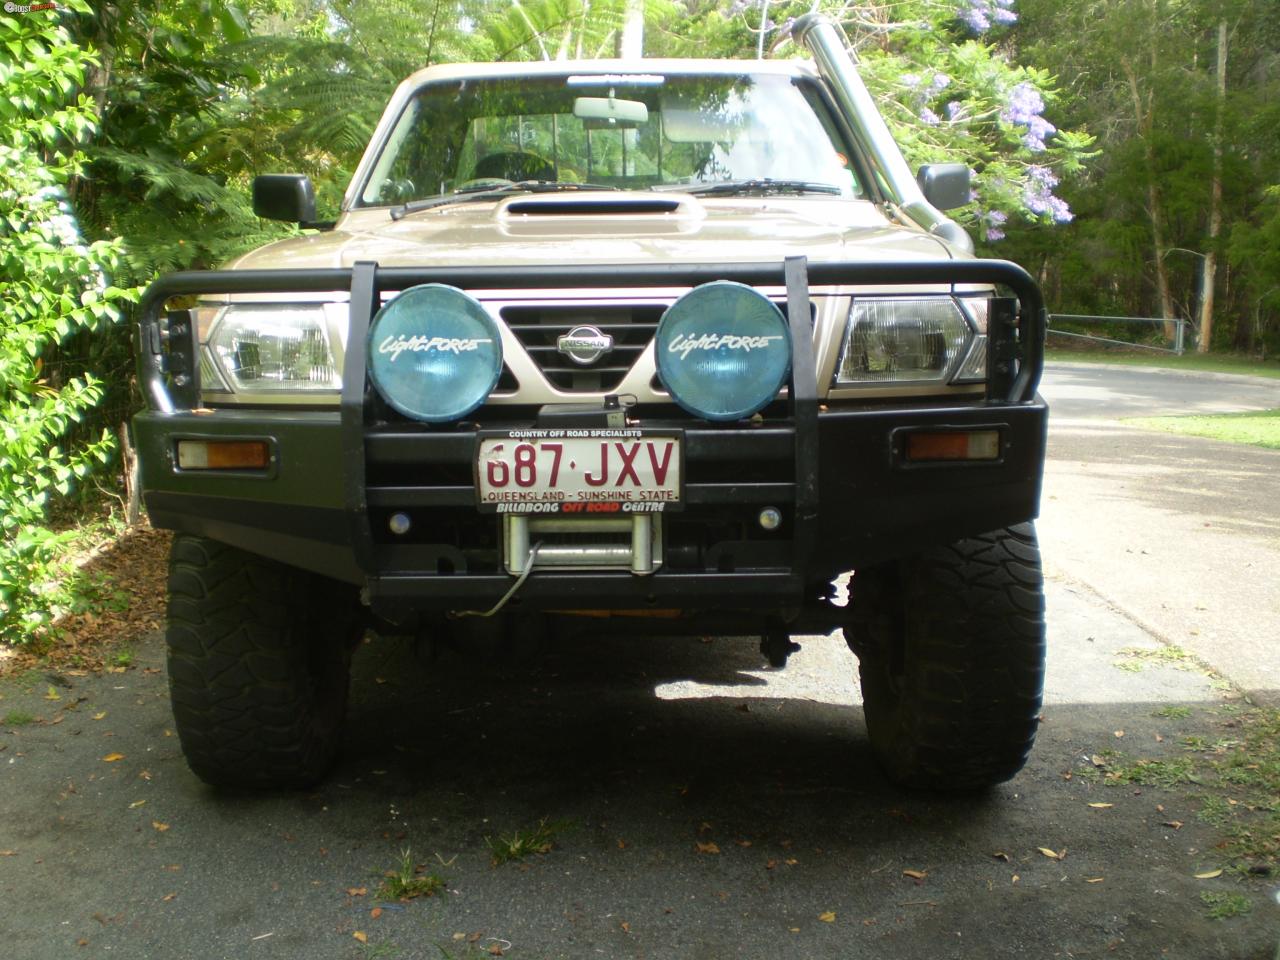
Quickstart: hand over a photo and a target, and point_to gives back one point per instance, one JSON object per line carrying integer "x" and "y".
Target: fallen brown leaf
{"x": 168, "y": 897}
{"x": 1102, "y": 806}
{"x": 357, "y": 891}
{"x": 743, "y": 843}
{"x": 915, "y": 874}
{"x": 1209, "y": 874}
{"x": 100, "y": 716}
{"x": 828, "y": 917}
{"x": 160, "y": 827}
{"x": 1176, "y": 824}
{"x": 112, "y": 757}
{"x": 361, "y": 936}
{"x": 1095, "y": 880}
{"x": 791, "y": 861}
{"x": 136, "y": 804}
{"x": 1001, "y": 855}
{"x": 52, "y": 694}
{"x": 375, "y": 913}
{"x": 626, "y": 927}
{"x": 709, "y": 847}
{"x": 495, "y": 950}
{"x": 770, "y": 864}
{"x": 1052, "y": 854}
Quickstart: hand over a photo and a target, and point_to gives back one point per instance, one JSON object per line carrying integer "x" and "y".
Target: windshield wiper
{"x": 493, "y": 193}
{"x": 763, "y": 185}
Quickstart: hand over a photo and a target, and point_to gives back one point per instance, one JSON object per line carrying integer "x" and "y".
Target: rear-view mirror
{"x": 610, "y": 113}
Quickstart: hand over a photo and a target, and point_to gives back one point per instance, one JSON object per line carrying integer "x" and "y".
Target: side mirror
{"x": 945, "y": 185}
{"x": 284, "y": 196}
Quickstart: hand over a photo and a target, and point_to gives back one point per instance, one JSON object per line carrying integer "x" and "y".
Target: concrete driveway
{"x": 1180, "y": 534}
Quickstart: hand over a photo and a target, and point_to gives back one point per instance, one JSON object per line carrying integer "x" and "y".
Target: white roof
{"x": 569, "y": 68}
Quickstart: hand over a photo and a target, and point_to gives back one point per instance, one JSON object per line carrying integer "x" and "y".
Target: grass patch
{"x": 1215, "y": 809}
{"x": 1208, "y": 363}
{"x": 409, "y": 880}
{"x": 1224, "y": 905}
{"x": 1260, "y": 429}
{"x": 1172, "y": 713}
{"x": 1154, "y": 773}
{"x": 523, "y": 843}
{"x": 1134, "y": 659}
{"x": 1235, "y": 762}
{"x": 17, "y": 718}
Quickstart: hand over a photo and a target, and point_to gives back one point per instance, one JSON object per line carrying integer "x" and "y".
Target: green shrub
{"x": 54, "y": 286}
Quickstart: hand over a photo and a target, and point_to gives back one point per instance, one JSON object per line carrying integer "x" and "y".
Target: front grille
{"x": 539, "y": 329}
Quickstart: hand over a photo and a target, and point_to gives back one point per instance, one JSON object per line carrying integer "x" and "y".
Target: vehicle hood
{"x": 518, "y": 231}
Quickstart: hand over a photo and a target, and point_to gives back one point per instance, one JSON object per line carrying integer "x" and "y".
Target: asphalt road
{"x": 702, "y": 807}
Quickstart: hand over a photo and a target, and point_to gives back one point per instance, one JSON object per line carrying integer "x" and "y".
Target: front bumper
{"x": 837, "y": 474}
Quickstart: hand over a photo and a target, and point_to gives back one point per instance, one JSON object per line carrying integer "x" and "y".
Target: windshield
{"x": 634, "y": 133}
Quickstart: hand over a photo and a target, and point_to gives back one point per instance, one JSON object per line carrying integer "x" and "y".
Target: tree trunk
{"x": 132, "y": 481}
{"x": 1209, "y": 274}
{"x": 631, "y": 37}
{"x": 1155, "y": 204}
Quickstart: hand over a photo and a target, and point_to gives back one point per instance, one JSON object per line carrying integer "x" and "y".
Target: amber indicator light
{"x": 953, "y": 445}
{"x": 223, "y": 455}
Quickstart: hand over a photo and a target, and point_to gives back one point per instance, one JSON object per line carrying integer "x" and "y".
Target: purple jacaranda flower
{"x": 1024, "y": 108}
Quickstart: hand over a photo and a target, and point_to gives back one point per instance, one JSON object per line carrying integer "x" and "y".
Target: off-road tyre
{"x": 951, "y": 647}
{"x": 259, "y": 665}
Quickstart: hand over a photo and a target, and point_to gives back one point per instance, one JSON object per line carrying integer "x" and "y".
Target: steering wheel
{"x": 515, "y": 165}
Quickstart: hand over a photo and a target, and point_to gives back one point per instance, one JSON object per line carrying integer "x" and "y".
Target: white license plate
{"x": 583, "y": 471}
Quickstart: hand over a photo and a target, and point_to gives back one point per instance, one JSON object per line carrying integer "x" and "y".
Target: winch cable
{"x": 528, "y": 569}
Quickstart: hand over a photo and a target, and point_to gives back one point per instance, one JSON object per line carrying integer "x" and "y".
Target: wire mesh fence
{"x": 1156, "y": 334}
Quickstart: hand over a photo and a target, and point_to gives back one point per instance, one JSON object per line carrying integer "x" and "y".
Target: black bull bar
{"x": 169, "y": 368}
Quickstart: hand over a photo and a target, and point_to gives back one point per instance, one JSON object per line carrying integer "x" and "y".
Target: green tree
{"x": 947, "y": 84}
{"x": 55, "y": 287}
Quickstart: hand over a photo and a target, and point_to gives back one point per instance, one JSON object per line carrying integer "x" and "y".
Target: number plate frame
{"x": 585, "y": 508}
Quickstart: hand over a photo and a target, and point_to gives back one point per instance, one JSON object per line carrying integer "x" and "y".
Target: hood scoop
{"x": 599, "y": 205}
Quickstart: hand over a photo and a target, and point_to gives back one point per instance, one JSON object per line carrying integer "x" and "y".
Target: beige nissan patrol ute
{"x": 673, "y": 343}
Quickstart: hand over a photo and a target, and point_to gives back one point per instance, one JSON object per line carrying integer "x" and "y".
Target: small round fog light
{"x": 399, "y": 524}
{"x": 770, "y": 518}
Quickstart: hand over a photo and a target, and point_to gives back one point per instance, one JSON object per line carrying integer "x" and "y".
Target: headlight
{"x": 723, "y": 351}
{"x": 434, "y": 353}
{"x": 270, "y": 348}
{"x": 901, "y": 340}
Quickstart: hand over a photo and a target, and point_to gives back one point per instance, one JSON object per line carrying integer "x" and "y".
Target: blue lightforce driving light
{"x": 434, "y": 353}
{"x": 723, "y": 351}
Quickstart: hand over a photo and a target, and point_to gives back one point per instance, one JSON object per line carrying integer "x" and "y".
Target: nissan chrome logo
{"x": 585, "y": 344}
